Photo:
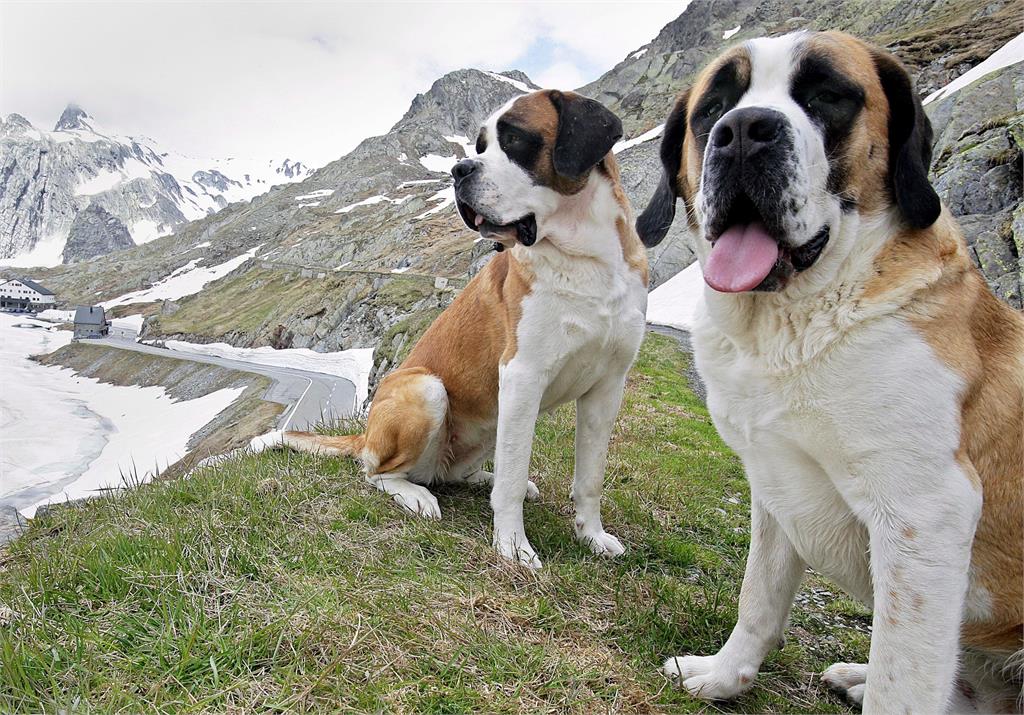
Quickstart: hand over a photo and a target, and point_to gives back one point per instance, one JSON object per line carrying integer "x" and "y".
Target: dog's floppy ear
{"x": 587, "y": 130}
{"x": 910, "y": 145}
{"x": 657, "y": 218}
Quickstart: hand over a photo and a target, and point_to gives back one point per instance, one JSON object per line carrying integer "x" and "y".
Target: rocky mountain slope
{"x": 365, "y": 251}
{"x": 47, "y": 178}
{"x": 95, "y": 232}
{"x": 377, "y": 221}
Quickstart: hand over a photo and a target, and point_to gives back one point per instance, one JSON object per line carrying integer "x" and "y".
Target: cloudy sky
{"x": 302, "y": 80}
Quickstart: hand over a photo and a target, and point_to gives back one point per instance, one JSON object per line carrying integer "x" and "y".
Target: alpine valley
{"x": 367, "y": 250}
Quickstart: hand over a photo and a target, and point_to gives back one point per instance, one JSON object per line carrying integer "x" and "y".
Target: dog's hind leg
{"x": 482, "y": 476}
{"x": 467, "y": 468}
{"x": 849, "y": 679}
{"x": 404, "y": 441}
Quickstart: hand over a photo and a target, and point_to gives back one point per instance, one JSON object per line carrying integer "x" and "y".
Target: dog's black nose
{"x": 464, "y": 168}
{"x": 744, "y": 132}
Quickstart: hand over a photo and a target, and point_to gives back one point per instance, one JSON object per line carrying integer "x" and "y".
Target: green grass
{"x": 281, "y": 582}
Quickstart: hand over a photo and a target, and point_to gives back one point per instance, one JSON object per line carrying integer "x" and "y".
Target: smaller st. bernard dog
{"x": 859, "y": 365}
{"x": 557, "y": 316}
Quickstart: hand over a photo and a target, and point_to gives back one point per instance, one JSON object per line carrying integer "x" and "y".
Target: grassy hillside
{"x": 282, "y": 582}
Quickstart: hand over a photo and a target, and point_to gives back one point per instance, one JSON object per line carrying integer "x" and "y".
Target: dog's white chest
{"x": 805, "y": 433}
{"x": 575, "y": 338}
{"x": 777, "y": 425}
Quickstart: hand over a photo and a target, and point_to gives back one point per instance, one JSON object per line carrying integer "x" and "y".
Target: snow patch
{"x": 106, "y": 431}
{"x": 315, "y": 194}
{"x": 638, "y": 54}
{"x": 128, "y": 322}
{"x": 185, "y": 280}
{"x": 108, "y": 179}
{"x": 417, "y": 182}
{"x": 370, "y": 202}
{"x": 146, "y": 230}
{"x": 1010, "y": 53}
{"x": 468, "y": 147}
{"x": 677, "y": 301}
{"x": 437, "y": 163}
{"x": 522, "y": 87}
{"x": 47, "y": 252}
{"x": 646, "y": 136}
{"x": 56, "y": 316}
{"x": 729, "y": 33}
{"x": 446, "y": 196}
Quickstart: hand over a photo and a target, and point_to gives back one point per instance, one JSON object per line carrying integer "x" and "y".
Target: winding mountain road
{"x": 314, "y": 396}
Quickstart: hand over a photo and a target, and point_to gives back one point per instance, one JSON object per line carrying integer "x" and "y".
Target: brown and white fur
{"x": 875, "y": 396}
{"x": 558, "y": 320}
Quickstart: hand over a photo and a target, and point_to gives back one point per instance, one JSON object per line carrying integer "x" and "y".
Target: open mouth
{"x": 522, "y": 229}
{"x": 747, "y": 255}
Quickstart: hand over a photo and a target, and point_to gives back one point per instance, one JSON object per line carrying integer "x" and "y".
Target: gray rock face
{"x": 641, "y": 172}
{"x": 977, "y": 172}
{"x": 95, "y": 232}
{"x": 215, "y": 180}
{"x": 937, "y": 39}
{"x": 46, "y": 178}
{"x": 293, "y": 170}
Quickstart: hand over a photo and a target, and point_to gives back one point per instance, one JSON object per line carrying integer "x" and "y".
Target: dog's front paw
{"x": 600, "y": 542}
{"x": 707, "y": 677}
{"x": 515, "y": 547}
{"x": 849, "y": 679}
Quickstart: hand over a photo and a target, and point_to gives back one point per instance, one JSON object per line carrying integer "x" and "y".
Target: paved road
{"x": 314, "y": 397}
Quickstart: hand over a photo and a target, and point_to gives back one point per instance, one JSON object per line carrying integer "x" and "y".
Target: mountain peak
{"x": 15, "y": 124}
{"x": 459, "y": 101}
{"x": 73, "y": 117}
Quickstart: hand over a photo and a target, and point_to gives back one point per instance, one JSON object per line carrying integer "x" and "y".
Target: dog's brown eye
{"x": 827, "y": 96}
{"x": 714, "y": 110}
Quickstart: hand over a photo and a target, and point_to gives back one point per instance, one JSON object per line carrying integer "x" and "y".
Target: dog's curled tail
{"x": 350, "y": 445}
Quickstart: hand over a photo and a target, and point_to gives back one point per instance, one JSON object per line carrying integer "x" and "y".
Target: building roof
{"x": 36, "y": 287}
{"x": 90, "y": 315}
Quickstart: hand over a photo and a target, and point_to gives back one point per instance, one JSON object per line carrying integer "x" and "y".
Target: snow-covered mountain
{"x": 48, "y": 177}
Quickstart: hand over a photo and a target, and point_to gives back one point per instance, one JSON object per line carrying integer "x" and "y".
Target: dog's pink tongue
{"x": 741, "y": 258}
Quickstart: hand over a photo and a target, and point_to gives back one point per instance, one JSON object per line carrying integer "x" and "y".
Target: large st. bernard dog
{"x": 558, "y": 316}
{"x": 860, "y": 367}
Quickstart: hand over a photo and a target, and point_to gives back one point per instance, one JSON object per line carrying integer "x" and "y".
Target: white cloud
{"x": 306, "y": 81}
{"x": 561, "y": 75}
